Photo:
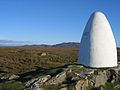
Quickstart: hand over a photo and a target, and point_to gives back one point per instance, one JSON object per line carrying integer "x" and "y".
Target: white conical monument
{"x": 98, "y": 47}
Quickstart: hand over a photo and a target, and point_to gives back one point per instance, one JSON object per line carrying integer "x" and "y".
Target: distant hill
{"x": 30, "y": 44}
{"x": 61, "y": 45}
{"x": 42, "y": 45}
{"x": 68, "y": 45}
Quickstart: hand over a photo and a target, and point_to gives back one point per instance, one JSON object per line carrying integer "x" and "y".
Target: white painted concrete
{"x": 98, "y": 47}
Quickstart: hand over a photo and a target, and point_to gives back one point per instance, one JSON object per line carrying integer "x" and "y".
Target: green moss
{"x": 108, "y": 86}
{"x": 54, "y": 86}
{"x": 51, "y": 87}
{"x": 5, "y": 74}
{"x": 53, "y": 72}
{"x": 12, "y": 85}
{"x": 76, "y": 69}
{"x": 93, "y": 88}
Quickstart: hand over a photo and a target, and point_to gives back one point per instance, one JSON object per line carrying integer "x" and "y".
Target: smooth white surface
{"x": 98, "y": 47}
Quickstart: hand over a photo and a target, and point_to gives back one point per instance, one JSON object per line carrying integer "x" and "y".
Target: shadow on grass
{"x": 42, "y": 71}
{"x": 39, "y": 72}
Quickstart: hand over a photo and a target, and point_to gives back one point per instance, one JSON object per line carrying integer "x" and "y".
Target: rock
{"x": 83, "y": 74}
{"x": 35, "y": 84}
{"x": 43, "y": 79}
{"x": 112, "y": 76}
{"x": 57, "y": 79}
{"x": 43, "y": 54}
{"x": 3, "y": 78}
{"x": 101, "y": 78}
{"x": 33, "y": 89}
{"x": 117, "y": 87}
{"x": 71, "y": 87}
{"x": 78, "y": 81}
{"x": 91, "y": 71}
{"x": 68, "y": 70}
{"x": 81, "y": 85}
{"x": 75, "y": 78}
{"x": 8, "y": 76}
{"x": 13, "y": 77}
{"x": 64, "y": 88}
{"x": 30, "y": 82}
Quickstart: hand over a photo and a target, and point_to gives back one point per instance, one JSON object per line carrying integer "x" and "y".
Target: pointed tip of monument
{"x": 98, "y": 13}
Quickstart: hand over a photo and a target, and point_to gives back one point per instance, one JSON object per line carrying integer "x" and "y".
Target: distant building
{"x": 98, "y": 47}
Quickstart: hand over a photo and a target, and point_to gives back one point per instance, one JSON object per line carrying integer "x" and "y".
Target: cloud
{"x": 14, "y": 43}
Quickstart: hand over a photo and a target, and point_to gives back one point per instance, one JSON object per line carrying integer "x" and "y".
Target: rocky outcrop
{"x": 35, "y": 83}
{"x": 101, "y": 78}
{"x": 81, "y": 85}
{"x": 8, "y": 76}
{"x": 64, "y": 88}
{"x": 117, "y": 87}
{"x": 71, "y": 79}
{"x": 59, "y": 78}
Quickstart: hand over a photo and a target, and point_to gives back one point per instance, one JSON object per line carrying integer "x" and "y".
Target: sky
{"x": 53, "y": 21}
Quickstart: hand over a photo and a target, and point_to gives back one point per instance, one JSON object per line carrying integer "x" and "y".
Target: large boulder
{"x": 112, "y": 76}
{"x": 59, "y": 78}
{"x": 100, "y": 79}
{"x": 13, "y": 76}
{"x": 34, "y": 84}
{"x": 81, "y": 85}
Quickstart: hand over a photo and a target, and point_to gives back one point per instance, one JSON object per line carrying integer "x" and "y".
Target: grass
{"x": 53, "y": 72}
{"x": 54, "y": 87}
{"x": 77, "y": 69}
{"x": 19, "y": 60}
{"x": 27, "y": 61}
{"x": 51, "y": 87}
{"x": 108, "y": 86}
{"x": 12, "y": 85}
